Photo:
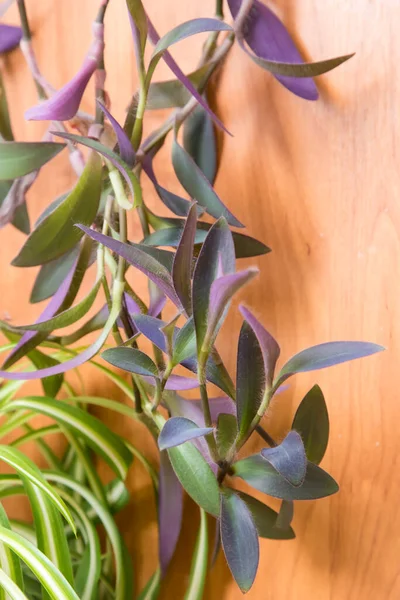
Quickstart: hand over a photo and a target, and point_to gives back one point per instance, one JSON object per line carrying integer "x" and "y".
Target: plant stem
{"x": 219, "y": 9}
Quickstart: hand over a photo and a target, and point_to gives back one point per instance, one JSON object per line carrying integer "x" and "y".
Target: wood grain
{"x": 320, "y": 184}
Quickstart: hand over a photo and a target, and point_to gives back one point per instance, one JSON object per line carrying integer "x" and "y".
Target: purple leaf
{"x": 65, "y": 103}
{"x": 145, "y": 263}
{"x": 269, "y": 39}
{"x": 178, "y": 430}
{"x": 155, "y": 38}
{"x": 217, "y": 253}
{"x": 10, "y": 37}
{"x": 177, "y": 383}
{"x": 325, "y": 355}
{"x": 170, "y": 507}
{"x": 125, "y": 147}
{"x": 182, "y": 267}
{"x": 288, "y": 458}
{"x": 157, "y": 301}
{"x": 239, "y": 539}
{"x": 269, "y": 346}
{"x": 222, "y": 291}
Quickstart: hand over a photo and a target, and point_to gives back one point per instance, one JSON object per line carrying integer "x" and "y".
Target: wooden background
{"x": 320, "y": 184}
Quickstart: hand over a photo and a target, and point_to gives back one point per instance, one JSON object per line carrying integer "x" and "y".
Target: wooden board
{"x": 320, "y": 184}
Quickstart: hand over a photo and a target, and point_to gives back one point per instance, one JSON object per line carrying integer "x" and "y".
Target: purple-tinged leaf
{"x": 285, "y": 516}
{"x": 274, "y": 38}
{"x": 268, "y": 38}
{"x": 170, "y": 508}
{"x": 131, "y": 360}
{"x": 145, "y": 263}
{"x": 217, "y": 253}
{"x": 239, "y": 539}
{"x": 197, "y": 185}
{"x": 258, "y": 473}
{"x": 179, "y": 206}
{"x": 65, "y": 103}
{"x": 115, "y": 160}
{"x": 182, "y": 267}
{"x": 131, "y": 305}
{"x": 168, "y": 59}
{"x": 125, "y": 147}
{"x": 250, "y": 378}
{"x": 185, "y": 342}
{"x": 138, "y": 21}
{"x": 177, "y": 383}
{"x": 266, "y": 519}
{"x": 311, "y": 421}
{"x": 73, "y": 363}
{"x": 196, "y": 476}
{"x": 221, "y": 293}
{"x": 157, "y": 300}
{"x": 178, "y": 430}
{"x": 16, "y": 198}
{"x": 10, "y": 37}
{"x": 325, "y": 355}
{"x": 269, "y": 346}
{"x": 288, "y": 458}
{"x": 150, "y": 327}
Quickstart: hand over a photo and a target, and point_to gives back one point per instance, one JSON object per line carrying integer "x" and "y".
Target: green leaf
{"x": 265, "y": 519}
{"x": 196, "y": 476}
{"x": 49, "y": 528}
{"x": 51, "y": 385}
{"x": 27, "y": 469}
{"x": 172, "y": 93}
{"x": 123, "y": 563}
{"x": 325, "y": 355}
{"x": 200, "y": 143}
{"x": 21, "y": 219}
{"x": 51, "y": 276}
{"x": 227, "y": 431}
{"x": 97, "y": 435}
{"x": 131, "y": 360}
{"x": 197, "y": 185}
{"x": 20, "y": 158}
{"x": 185, "y": 343}
{"x": 152, "y": 589}
{"x": 138, "y": 16}
{"x": 199, "y": 566}
{"x": 10, "y": 563}
{"x": 183, "y": 261}
{"x": 57, "y": 233}
{"x": 250, "y": 378}
{"x": 13, "y": 590}
{"x": 49, "y": 576}
{"x": 5, "y": 123}
{"x": 258, "y": 473}
{"x": 312, "y": 423}
{"x": 239, "y": 539}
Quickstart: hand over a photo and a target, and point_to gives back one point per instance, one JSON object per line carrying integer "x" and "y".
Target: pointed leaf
{"x": 239, "y": 539}
{"x": 57, "y": 233}
{"x": 170, "y": 508}
{"x": 227, "y": 431}
{"x": 19, "y": 158}
{"x": 195, "y": 476}
{"x": 268, "y": 38}
{"x": 182, "y": 267}
{"x": 185, "y": 342}
{"x": 288, "y": 458}
{"x": 199, "y": 566}
{"x": 138, "y": 20}
{"x": 256, "y": 471}
{"x": 172, "y": 93}
{"x": 269, "y": 346}
{"x": 197, "y": 185}
{"x": 312, "y": 422}
{"x": 131, "y": 360}
{"x": 51, "y": 275}
{"x": 178, "y": 430}
{"x": 151, "y": 590}
{"x": 325, "y": 355}
{"x": 285, "y": 516}
{"x": 200, "y": 143}
{"x": 124, "y": 144}
{"x": 265, "y": 519}
{"x": 150, "y": 266}
{"x": 216, "y": 254}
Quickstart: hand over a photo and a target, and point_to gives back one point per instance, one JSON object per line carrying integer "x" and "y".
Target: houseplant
{"x": 198, "y": 441}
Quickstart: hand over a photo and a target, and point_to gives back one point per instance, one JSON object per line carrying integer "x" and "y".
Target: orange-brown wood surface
{"x": 319, "y": 183}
